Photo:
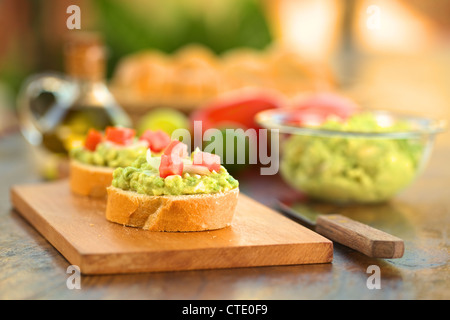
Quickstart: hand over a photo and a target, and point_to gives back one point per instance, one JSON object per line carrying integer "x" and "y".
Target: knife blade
{"x": 370, "y": 241}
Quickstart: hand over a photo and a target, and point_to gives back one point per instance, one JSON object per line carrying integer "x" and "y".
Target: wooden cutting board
{"x": 77, "y": 228}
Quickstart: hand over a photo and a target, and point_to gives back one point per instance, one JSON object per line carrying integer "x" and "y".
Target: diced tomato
{"x": 157, "y": 140}
{"x": 176, "y": 148}
{"x": 120, "y": 135}
{"x": 93, "y": 138}
{"x": 170, "y": 165}
{"x": 171, "y": 160}
{"x": 208, "y": 160}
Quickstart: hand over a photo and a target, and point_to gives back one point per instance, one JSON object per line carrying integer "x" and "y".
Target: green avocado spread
{"x": 346, "y": 169}
{"x": 142, "y": 178}
{"x": 109, "y": 155}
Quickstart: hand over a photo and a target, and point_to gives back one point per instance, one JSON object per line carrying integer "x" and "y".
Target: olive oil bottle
{"x": 57, "y": 110}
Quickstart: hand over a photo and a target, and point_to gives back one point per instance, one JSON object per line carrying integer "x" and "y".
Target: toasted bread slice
{"x": 89, "y": 180}
{"x": 181, "y": 213}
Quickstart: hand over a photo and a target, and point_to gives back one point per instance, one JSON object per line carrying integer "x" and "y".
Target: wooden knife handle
{"x": 358, "y": 236}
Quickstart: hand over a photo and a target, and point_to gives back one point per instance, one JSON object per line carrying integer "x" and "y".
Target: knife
{"x": 372, "y": 242}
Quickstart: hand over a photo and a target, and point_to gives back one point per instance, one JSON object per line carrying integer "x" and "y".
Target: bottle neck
{"x": 84, "y": 74}
{"x": 85, "y": 61}
{"x": 93, "y": 93}
{"x": 87, "y": 84}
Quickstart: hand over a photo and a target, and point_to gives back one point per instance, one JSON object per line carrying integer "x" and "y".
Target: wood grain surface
{"x": 361, "y": 237}
{"x": 76, "y": 226}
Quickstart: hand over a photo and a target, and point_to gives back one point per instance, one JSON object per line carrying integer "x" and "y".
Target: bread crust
{"x": 171, "y": 213}
{"x": 89, "y": 180}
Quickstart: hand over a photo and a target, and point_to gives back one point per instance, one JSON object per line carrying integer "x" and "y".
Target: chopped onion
{"x": 154, "y": 162}
{"x": 196, "y": 169}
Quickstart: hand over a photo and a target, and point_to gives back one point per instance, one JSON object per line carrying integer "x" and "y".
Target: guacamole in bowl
{"x": 368, "y": 157}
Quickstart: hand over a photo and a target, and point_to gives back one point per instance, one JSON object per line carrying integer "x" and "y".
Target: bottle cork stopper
{"x": 85, "y": 56}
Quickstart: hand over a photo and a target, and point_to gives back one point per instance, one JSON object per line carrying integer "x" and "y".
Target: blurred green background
{"x": 32, "y": 32}
{"x": 411, "y": 48}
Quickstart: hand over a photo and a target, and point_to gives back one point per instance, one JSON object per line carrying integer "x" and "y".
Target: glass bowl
{"x": 353, "y": 166}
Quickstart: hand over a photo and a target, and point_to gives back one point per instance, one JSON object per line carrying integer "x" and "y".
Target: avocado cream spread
{"x": 142, "y": 178}
{"x": 351, "y": 169}
{"x": 109, "y": 155}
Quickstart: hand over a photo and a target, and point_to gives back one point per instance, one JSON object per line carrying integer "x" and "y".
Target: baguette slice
{"x": 171, "y": 213}
{"x": 89, "y": 180}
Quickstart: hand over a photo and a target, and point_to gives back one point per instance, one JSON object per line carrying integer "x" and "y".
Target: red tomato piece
{"x": 309, "y": 117}
{"x": 119, "y": 135}
{"x": 170, "y": 165}
{"x": 93, "y": 138}
{"x": 315, "y": 109}
{"x": 177, "y": 149}
{"x": 157, "y": 140}
{"x": 208, "y": 160}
